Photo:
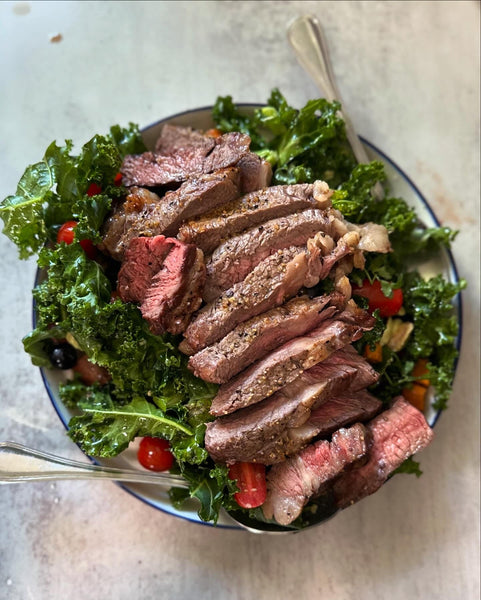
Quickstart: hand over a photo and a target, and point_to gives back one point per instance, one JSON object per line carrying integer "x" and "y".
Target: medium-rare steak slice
{"x": 256, "y": 173}
{"x": 282, "y": 366}
{"x": 143, "y": 259}
{"x": 210, "y": 229}
{"x": 151, "y": 169}
{"x": 257, "y": 433}
{"x": 145, "y": 214}
{"x": 396, "y": 434}
{"x": 173, "y": 138}
{"x": 339, "y": 411}
{"x": 266, "y": 432}
{"x": 177, "y": 283}
{"x": 290, "y": 484}
{"x": 253, "y": 339}
{"x": 237, "y": 256}
{"x": 275, "y": 279}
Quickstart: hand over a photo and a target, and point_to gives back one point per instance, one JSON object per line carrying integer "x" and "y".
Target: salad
{"x": 127, "y": 382}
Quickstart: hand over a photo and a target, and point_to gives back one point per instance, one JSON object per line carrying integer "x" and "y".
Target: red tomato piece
{"x": 154, "y": 454}
{"x": 118, "y": 179}
{"x": 94, "y": 189}
{"x": 377, "y": 300}
{"x": 66, "y": 234}
{"x": 251, "y": 481}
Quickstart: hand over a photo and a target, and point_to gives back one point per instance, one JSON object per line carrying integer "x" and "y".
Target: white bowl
{"x": 400, "y": 186}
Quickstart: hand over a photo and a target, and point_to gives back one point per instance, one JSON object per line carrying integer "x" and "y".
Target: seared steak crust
{"x": 210, "y": 229}
{"x": 253, "y": 339}
{"x": 282, "y": 366}
{"x": 151, "y": 169}
{"x": 277, "y": 278}
{"x": 278, "y": 426}
{"x": 145, "y": 214}
{"x": 396, "y": 434}
{"x": 290, "y": 484}
{"x": 237, "y": 256}
{"x": 174, "y": 138}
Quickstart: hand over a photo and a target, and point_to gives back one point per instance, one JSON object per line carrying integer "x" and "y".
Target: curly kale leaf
{"x": 54, "y": 190}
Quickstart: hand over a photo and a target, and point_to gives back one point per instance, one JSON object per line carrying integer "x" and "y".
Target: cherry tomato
{"x": 251, "y": 481}
{"x": 91, "y": 373}
{"x": 376, "y": 298}
{"x": 118, "y": 179}
{"x": 66, "y": 234}
{"x": 155, "y": 454}
{"x": 94, "y": 189}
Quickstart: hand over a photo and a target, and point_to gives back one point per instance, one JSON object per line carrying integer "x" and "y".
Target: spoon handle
{"x": 19, "y": 463}
{"x": 310, "y": 46}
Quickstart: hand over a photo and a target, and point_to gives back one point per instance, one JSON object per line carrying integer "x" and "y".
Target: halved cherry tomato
{"x": 66, "y": 234}
{"x": 251, "y": 481}
{"x": 94, "y": 189}
{"x": 376, "y": 298}
{"x": 118, "y": 179}
{"x": 155, "y": 454}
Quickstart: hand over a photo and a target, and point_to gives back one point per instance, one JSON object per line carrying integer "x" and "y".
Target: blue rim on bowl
{"x": 453, "y": 275}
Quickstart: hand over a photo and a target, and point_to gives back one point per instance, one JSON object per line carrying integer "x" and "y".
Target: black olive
{"x": 63, "y": 356}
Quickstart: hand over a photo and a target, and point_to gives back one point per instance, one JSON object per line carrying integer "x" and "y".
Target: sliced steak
{"x": 339, "y": 411}
{"x": 174, "y": 292}
{"x": 256, "y": 173}
{"x": 145, "y": 214}
{"x": 174, "y": 138}
{"x": 282, "y": 366}
{"x": 237, "y": 256}
{"x": 277, "y": 278}
{"x": 208, "y": 231}
{"x": 143, "y": 259}
{"x": 253, "y": 339}
{"x": 259, "y": 432}
{"x": 270, "y": 430}
{"x": 151, "y": 169}
{"x": 290, "y": 484}
{"x": 396, "y": 434}
{"x": 124, "y": 217}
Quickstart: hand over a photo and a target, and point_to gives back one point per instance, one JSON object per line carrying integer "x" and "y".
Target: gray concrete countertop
{"x": 409, "y": 72}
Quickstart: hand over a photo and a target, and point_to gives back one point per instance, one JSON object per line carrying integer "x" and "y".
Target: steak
{"x": 258, "y": 433}
{"x": 174, "y": 138}
{"x": 396, "y": 434}
{"x": 277, "y": 278}
{"x": 152, "y": 169}
{"x": 266, "y": 432}
{"x": 253, "y": 339}
{"x": 282, "y": 366}
{"x": 145, "y": 214}
{"x": 290, "y": 484}
{"x": 208, "y": 231}
{"x": 256, "y": 173}
{"x": 175, "y": 290}
{"x": 339, "y": 411}
{"x": 143, "y": 259}
{"x": 237, "y": 256}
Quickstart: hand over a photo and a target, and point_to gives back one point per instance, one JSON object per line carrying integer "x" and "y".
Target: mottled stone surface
{"x": 409, "y": 72}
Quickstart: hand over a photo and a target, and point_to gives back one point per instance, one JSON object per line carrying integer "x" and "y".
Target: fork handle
{"x": 19, "y": 463}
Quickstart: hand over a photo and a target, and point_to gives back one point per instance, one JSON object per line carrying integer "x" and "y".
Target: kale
{"x": 409, "y": 466}
{"x": 301, "y": 145}
{"x": 54, "y": 190}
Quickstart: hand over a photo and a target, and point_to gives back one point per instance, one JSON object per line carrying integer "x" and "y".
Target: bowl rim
{"x": 457, "y": 306}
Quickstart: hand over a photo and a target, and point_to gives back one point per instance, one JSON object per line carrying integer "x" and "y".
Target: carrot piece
{"x": 373, "y": 356}
{"x": 416, "y": 396}
{"x": 215, "y": 133}
{"x": 420, "y": 369}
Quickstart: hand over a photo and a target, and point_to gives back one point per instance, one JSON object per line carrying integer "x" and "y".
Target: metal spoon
{"x": 310, "y": 47}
